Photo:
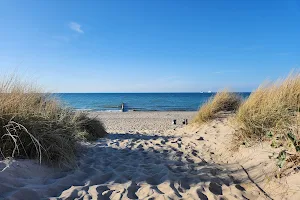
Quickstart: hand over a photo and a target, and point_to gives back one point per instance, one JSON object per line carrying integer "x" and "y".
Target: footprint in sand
{"x": 131, "y": 190}
{"x": 184, "y": 183}
{"x": 158, "y": 145}
{"x": 215, "y": 188}
{"x": 100, "y": 192}
{"x": 201, "y": 195}
{"x": 195, "y": 152}
{"x": 179, "y": 153}
{"x": 239, "y": 187}
{"x": 155, "y": 151}
{"x": 189, "y": 160}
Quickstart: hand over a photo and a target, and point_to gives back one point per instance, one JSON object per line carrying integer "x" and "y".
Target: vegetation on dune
{"x": 87, "y": 128}
{"x": 273, "y": 112}
{"x": 222, "y": 101}
{"x": 271, "y": 109}
{"x": 35, "y": 125}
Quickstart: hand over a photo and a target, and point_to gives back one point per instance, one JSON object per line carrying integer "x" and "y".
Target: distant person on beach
{"x": 122, "y": 107}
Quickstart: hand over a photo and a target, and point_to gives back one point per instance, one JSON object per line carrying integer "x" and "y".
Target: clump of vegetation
{"x": 272, "y": 112}
{"x": 87, "y": 128}
{"x": 222, "y": 101}
{"x": 271, "y": 109}
{"x": 35, "y": 125}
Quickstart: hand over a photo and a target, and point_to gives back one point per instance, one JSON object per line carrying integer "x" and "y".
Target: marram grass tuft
{"x": 222, "y": 101}
{"x": 35, "y": 125}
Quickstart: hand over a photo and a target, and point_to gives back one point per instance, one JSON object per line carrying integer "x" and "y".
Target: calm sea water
{"x": 136, "y": 101}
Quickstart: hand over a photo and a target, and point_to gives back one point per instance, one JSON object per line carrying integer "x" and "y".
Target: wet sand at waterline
{"x": 145, "y": 156}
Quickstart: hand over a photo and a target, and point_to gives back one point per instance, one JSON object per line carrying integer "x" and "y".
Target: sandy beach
{"x": 150, "y": 122}
{"x": 145, "y": 156}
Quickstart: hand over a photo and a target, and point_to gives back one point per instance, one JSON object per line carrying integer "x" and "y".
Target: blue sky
{"x": 149, "y": 46}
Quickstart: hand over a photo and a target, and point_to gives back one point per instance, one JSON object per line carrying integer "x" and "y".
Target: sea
{"x": 111, "y": 102}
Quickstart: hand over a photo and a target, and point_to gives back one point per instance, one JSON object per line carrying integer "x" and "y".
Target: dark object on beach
{"x": 122, "y": 107}
{"x": 174, "y": 121}
{"x": 200, "y": 138}
{"x": 185, "y": 121}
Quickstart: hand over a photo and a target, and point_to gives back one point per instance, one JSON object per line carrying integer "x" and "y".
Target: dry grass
{"x": 222, "y": 101}
{"x": 272, "y": 113}
{"x": 88, "y": 128}
{"x": 35, "y": 125}
{"x": 272, "y": 108}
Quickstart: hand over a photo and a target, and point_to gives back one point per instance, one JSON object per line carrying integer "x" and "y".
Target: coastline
{"x": 137, "y": 102}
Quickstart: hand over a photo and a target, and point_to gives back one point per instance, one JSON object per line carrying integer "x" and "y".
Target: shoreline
{"x": 137, "y": 102}
{"x": 146, "y": 111}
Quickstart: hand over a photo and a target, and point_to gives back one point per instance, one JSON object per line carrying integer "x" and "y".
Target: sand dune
{"x": 168, "y": 164}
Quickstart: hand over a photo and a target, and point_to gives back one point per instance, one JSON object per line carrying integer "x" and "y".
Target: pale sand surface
{"x": 155, "y": 122}
{"x": 143, "y": 157}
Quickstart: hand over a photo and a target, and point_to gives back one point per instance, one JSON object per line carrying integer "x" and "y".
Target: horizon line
{"x": 141, "y": 92}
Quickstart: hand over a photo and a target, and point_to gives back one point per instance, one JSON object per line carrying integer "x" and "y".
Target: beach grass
{"x": 272, "y": 109}
{"x": 35, "y": 125}
{"x": 272, "y": 113}
{"x": 222, "y": 101}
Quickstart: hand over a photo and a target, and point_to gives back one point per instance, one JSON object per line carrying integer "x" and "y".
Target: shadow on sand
{"x": 137, "y": 166}
{"x": 148, "y": 165}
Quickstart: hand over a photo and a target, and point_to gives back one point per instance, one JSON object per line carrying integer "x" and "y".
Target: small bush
{"x": 222, "y": 101}
{"x": 89, "y": 128}
{"x": 35, "y": 125}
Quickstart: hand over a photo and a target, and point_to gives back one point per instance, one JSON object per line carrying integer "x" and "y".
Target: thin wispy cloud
{"x": 75, "y": 27}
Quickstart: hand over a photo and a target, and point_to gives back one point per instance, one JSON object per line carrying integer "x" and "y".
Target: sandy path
{"x": 137, "y": 166}
{"x": 172, "y": 164}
